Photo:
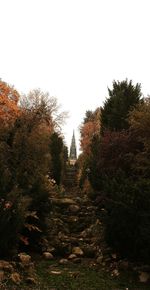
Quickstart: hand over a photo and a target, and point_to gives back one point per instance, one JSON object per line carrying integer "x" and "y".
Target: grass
{"x": 52, "y": 276}
{"x": 82, "y": 277}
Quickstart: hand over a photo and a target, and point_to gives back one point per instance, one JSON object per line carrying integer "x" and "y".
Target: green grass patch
{"x": 52, "y": 276}
{"x": 83, "y": 277}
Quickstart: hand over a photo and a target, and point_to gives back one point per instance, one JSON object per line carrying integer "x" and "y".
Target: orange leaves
{"x": 90, "y": 127}
{"x": 88, "y": 130}
{"x": 9, "y": 97}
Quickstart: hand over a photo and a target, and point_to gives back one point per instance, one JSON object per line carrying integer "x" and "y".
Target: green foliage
{"x": 128, "y": 218}
{"x": 120, "y": 173}
{"x": 89, "y": 116}
{"x": 122, "y": 98}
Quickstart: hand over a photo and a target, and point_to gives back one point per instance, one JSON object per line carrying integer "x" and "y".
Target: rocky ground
{"x": 75, "y": 239}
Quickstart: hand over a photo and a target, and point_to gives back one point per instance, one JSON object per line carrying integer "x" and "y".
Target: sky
{"x": 74, "y": 49}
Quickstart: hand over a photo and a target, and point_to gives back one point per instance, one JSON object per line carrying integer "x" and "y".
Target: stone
{"x": 72, "y": 256}
{"x": 74, "y": 274}
{"x": 24, "y": 258}
{"x": 99, "y": 259}
{"x": 6, "y": 266}
{"x": 50, "y": 249}
{"x": 114, "y": 256}
{"x": 63, "y": 262}
{"x": 77, "y": 251}
{"x": 65, "y": 201}
{"x": 89, "y": 250}
{"x": 123, "y": 265}
{"x": 15, "y": 277}
{"x": 73, "y": 219}
{"x": 30, "y": 280}
{"x": 115, "y": 273}
{"x": 48, "y": 256}
{"x": 74, "y": 208}
{"x": 77, "y": 260}
{"x": 84, "y": 234}
{"x": 2, "y": 275}
{"x": 30, "y": 269}
{"x": 144, "y": 277}
{"x": 56, "y": 272}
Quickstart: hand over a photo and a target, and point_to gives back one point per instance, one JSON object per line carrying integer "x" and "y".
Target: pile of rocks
{"x": 17, "y": 271}
{"x": 75, "y": 231}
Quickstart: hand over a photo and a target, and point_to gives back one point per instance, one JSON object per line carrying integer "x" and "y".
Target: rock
{"x": 15, "y": 277}
{"x": 62, "y": 236}
{"x": 65, "y": 201}
{"x": 77, "y": 260}
{"x": 30, "y": 269}
{"x": 74, "y": 208}
{"x": 48, "y": 256}
{"x": 72, "y": 256}
{"x": 74, "y": 274}
{"x": 123, "y": 265}
{"x": 99, "y": 259}
{"x": 73, "y": 219}
{"x": 115, "y": 273}
{"x": 114, "y": 256}
{"x": 30, "y": 280}
{"x": 50, "y": 249}
{"x": 89, "y": 250}
{"x": 77, "y": 251}
{"x": 87, "y": 232}
{"x": 2, "y": 275}
{"x": 56, "y": 272}
{"x": 144, "y": 277}
{"x": 6, "y": 266}
{"x": 24, "y": 258}
{"x": 63, "y": 262}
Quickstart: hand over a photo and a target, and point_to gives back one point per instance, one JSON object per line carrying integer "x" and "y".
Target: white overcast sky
{"x": 74, "y": 49}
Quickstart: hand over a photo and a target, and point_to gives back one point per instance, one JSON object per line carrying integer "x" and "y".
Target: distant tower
{"x": 73, "y": 151}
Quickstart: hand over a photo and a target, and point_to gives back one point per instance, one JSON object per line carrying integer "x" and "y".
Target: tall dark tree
{"x": 56, "y": 147}
{"x": 122, "y": 98}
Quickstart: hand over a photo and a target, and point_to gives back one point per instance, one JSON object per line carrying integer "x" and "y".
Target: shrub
{"x": 12, "y": 217}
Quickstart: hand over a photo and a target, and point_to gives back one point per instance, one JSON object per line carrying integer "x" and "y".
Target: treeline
{"x": 32, "y": 155}
{"x": 115, "y": 159}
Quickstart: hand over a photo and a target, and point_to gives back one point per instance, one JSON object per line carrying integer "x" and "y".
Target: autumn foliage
{"x": 88, "y": 129}
{"x": 9, "y": 98}
{"x": 26, "y": 127}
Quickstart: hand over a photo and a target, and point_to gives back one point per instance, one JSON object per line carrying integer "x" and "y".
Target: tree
{"x": 89, "y": 128}
{"x": 122, "y": 98}
{"x": 9, "y": 98}
{"x": 139, "y": 120}
{"x": 46, "y": 107}
{"x": 120, "y": 171}
{"x": 56, "y": 149}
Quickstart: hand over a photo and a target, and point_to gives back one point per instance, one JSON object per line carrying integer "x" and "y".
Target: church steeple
{"x": 73, "y": 151}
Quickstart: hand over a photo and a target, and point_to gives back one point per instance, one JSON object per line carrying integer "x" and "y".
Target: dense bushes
{"x": 124, "y": 173}
{"x": 25, "y": 170}
{"x": 119, "y": 170}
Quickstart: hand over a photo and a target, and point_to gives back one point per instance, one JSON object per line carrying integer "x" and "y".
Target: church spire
{"x": 73, "y": 151}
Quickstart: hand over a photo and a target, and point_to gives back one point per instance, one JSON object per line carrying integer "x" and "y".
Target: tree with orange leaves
{"x": 88, "y": 129}
{"x": 9, "y": 98}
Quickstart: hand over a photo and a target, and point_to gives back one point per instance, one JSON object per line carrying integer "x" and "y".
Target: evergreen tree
{"x": 122, "y": 98}
{"x": 56, "y": 147}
